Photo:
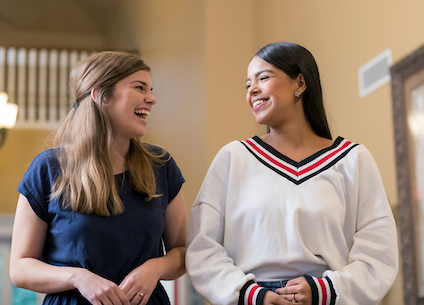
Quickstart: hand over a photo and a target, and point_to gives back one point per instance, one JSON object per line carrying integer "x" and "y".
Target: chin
{"x": 138, "y": 135}
{"x": 261, "y": 121}
{"x": 141, "y": 132}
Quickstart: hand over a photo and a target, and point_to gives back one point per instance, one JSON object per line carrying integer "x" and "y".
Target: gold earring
{"x": 296, "y": 94}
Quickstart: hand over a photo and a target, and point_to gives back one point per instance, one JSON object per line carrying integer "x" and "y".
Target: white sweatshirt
{"x": 262, "y": 216}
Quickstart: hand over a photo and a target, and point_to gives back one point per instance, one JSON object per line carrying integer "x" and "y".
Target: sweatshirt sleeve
{"x": 212, "y": 271}
{"x": 373, "y": 258}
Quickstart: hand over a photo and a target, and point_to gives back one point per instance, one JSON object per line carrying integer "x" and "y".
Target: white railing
{"x": 37, "y": 81}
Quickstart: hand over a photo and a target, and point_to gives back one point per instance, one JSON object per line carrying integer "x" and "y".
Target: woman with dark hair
{"x": 291, "y": 216}
{"x": 96, "y": 213}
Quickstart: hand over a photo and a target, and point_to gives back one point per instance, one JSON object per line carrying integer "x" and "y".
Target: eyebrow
{"x": 139, "y": 81}
{"x": 260, "y": 72}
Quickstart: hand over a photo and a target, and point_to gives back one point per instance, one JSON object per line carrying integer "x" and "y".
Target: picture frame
{"x": 407, "y": 84}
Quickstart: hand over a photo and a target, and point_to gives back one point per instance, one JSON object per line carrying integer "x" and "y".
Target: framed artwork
{"x": 408, "y": 115}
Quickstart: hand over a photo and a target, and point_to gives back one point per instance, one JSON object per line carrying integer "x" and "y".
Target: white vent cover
{"x": 375, "y": 73}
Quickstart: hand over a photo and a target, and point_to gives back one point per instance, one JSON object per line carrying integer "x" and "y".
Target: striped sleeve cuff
{"x": 252, "y": 294}
{"x": 323, "y": 292}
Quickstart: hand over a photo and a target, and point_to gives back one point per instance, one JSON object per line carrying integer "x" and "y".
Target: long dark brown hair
{"x": 293, "y": 60}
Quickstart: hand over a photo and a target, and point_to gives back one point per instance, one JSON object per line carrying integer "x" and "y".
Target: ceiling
{"x": 66, "y": 16}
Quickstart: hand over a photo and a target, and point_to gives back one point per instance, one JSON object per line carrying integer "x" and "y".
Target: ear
{"x": 95, "y": 94}
{"x": 300, "y": 80}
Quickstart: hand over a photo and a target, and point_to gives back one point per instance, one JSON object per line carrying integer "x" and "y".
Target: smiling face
{"x": 271, "y": 93}
{"x": 130, "y": 106}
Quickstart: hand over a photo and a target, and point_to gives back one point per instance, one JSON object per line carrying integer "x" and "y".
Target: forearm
{"x": 171, "y": 265}
{"x": 33, "y": 274}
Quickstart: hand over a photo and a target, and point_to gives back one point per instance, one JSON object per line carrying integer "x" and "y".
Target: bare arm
{"x": 143, "y": 279}
{"x": 175, "y": 233}
{"x": 27, "y": 270}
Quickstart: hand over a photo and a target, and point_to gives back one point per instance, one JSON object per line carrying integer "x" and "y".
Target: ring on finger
{"x": 140, "y": 294}
{"x": 294, "y": 298}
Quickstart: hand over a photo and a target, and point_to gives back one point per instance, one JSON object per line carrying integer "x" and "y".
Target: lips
{"x": 143, "y": 113}
{"x": 256, "y": 104}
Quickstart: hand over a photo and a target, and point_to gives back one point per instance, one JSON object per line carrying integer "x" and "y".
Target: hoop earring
{"x": 296, "y": 94}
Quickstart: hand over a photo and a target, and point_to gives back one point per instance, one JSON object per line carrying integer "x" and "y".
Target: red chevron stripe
{"x": 319, "y": 162}
{"x": 271, "y": 159}
{"x": 290, "y": 170}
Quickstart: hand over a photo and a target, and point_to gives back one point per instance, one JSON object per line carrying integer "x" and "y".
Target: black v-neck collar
{"x": 283, "y": 157}
{"x": 298, "y": 172}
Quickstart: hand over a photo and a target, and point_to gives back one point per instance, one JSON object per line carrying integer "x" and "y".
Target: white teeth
{"x": 142, "y": 111}
{"x": 257, "y": 103}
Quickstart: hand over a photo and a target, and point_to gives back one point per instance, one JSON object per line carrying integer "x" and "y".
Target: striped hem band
{"x": 323, "y": 292}
{"x": 252, "y": 294}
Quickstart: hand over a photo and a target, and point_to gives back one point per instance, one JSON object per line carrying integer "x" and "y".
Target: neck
{"x": 292, "y": 134}
{"x": 291, "y": 138}
{"x": 118, "y": 154}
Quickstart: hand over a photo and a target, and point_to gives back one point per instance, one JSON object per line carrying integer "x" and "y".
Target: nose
{"x": 151, "y": 99}
{"x": 253, "y": 89}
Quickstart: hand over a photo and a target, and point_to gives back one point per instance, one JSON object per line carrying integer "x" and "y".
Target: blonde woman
{"x": 95, "y": 213}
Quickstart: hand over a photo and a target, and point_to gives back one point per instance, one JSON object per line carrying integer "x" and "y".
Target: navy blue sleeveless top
{"x": 108, "y": 246}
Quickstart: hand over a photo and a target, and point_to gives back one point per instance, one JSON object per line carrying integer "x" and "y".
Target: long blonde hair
{"x": 86, "y": 182}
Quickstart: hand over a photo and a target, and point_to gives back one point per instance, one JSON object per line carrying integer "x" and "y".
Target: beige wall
{"x": 199, "y": 51}
{"x": 20, "y": 148}
{"x": 229, "y": 48}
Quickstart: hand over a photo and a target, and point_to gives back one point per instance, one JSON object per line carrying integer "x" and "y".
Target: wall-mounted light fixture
{"x": 8, "y": 113}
